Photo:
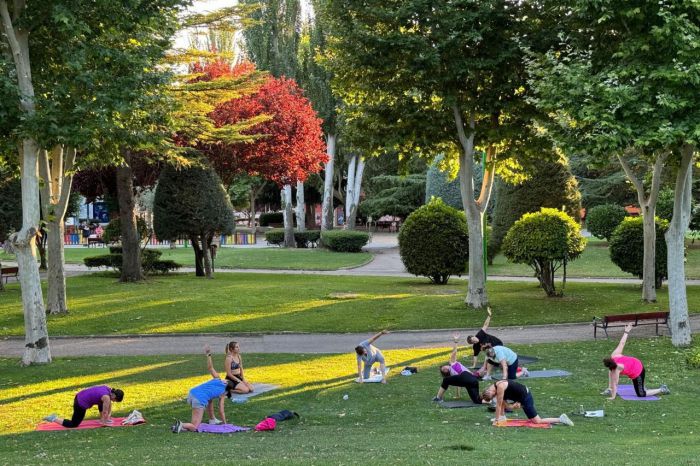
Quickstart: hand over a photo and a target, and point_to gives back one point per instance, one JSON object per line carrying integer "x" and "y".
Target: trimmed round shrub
{"x": 434, "y": 242}
{"x": 150, "y": 261}
{"x": 275, "y": 236}
{"x": 602, "y": 220}
{"x": 344, "y": 240}
{"x": 268, "y": 218}
{"x": 627, "y": 248}
{"x": 544, "y": 240}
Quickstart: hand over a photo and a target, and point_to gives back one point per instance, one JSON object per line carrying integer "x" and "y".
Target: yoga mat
{"x": 221, "y": 428}
{"x": 260, "y": 388}
{"x": 523, "y": 423}
{"x": 88, "y": 424}
{"x": 458, "y": 404}
{"x": 626, "y": 392}
{"x": 537, "y": 374}
{"x": 375, "y": 378}
{"x": 524, "y": 360}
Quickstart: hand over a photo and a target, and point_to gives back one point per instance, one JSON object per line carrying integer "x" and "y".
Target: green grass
{"x": 390, "y": 424}
{"x": 238, "y": 302}
{"x": 246, "y": 258}
{"x": 594, "y": 262}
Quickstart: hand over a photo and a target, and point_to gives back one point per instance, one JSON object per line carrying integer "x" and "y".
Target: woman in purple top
{"x": 457, "y": 375}
{"x": 101, "y": 395}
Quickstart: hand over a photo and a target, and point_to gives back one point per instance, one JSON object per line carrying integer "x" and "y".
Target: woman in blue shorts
{"x": 518, "y": 396}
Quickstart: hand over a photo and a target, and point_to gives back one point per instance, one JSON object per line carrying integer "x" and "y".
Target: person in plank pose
{"x": 101, "y": 396}
{"x": 455, "y": 374}
{"x": 520, "y": 397}
{"x": 480, "y": 339}
{"x": 368, "y": 355}
{"x": 200, "y": 396}
{"x": 619, "y": 364}
{"x": 507, "y": 359}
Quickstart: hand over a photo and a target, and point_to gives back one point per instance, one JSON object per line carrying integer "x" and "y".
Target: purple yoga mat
{"x": 221, "y": 428}
{"x": 626, "y": 392}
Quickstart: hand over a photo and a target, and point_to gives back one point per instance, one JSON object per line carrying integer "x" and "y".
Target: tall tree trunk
{"x": 253, "y": 195}
{"x": 477, "y": 296}
{"x": 288, "y": 214}
{"x": 41, "y": 241}
{"x": 349, "y": 189}
{"x": 327, "y": 205}
{"x": 356, "y": 192}
{"x": 648, "y": 206}
{"x": 301, "y": 207}
{"x": 36, "y": 337}
{"x": 131, "y": 244}
{"x": 55, "y": 168}
{"x": 675, "y": 242}
{"x": 198, "y": 256}
{"x": 206, "y": 256}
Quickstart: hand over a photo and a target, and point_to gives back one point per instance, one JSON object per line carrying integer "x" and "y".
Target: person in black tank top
{"x": 515, "y": 395}
{"x": 478, "y": 342}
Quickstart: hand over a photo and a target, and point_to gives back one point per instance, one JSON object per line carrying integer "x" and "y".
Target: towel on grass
{"x": 626, "y": 392}
{"x": 523, "y": 423}
{"x": 375, "y": 378}
{"x": 221, "y": 428}
{"x": 260, "y": 388}
{"x": 88, "y": 424}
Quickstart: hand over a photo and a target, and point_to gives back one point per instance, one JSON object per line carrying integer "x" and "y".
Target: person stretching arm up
{"x": 633, "y": 368}
{"x": 369, "y": 354}
{"x": 476, "y": 342}
{"x": 457, "y": 375}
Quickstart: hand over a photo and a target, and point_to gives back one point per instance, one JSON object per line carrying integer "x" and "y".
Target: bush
{"x": 106, "y": 260}
{"x": 441, "y": 185}
{"x": 627, "y": 248}
{"x": 271, "y": 217}
{"x": 113, "y": 232}
{"x": 544, "y": 240}
{"x": 693, "y": 357}
{"x": 275, "y": 236}
{"x": 164, "y": 266}
{"x": 150, "y": 261}
{"x": 551, "y": 184}
{"x": 305, "y": 239}
{"x": 434, "y": 242}
{"x": 344, "y": 240}
{"x": 602, "y": 220}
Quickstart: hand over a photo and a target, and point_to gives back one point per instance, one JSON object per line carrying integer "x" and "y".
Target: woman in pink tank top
{"x": 619, "y": 364}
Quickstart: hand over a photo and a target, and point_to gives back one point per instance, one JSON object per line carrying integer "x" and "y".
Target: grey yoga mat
{"x": 458, "y": 404}
{"x": 542, "y": 374}
{"x": 260, "y": 388}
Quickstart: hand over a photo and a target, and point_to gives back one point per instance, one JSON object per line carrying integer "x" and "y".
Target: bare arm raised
{"x": 621, "y": 346}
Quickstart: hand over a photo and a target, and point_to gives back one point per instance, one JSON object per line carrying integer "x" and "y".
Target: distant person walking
{"x": 619, "y": 364}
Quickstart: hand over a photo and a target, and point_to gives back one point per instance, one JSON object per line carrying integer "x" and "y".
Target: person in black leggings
{"x": 520, "y": 397}
{"x": 101, "y": 396}
{"x": 456, "y": 375}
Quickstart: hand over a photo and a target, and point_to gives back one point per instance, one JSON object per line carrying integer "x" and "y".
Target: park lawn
{"x": 594, "y": 262}
{"x": 247, "y": 258}
{"x": 249, "y": 302}
{"x": 378, "y": 424}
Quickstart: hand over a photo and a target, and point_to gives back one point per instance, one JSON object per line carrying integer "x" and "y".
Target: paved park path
{"x": 133, "y": 345}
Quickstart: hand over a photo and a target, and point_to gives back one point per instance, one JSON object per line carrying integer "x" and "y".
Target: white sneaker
{"x": 606, "y": 392}
{"x": 51, "y": 418}
{"x": 486, "y": 377}
{"x": 524, "y": 372}
{"x": 564, "y": 419}
{"x": 215, "y": 421}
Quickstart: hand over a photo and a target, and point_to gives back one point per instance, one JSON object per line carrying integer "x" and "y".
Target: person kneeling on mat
{"x": 101, "y": 396}
{"x": 480, "y": 340}
{"x": 201, "y": 395}
{"x": 507, "y": 359}
{"x": 369, "y": 355}
{"x": 455, "y": 374}
{"x": 520, "y": 397}
{"x": 633, "y": 368}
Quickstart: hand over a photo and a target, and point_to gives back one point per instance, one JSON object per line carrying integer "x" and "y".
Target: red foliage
{"x": 221, "y": 68}
{"x": 293, "y": 145}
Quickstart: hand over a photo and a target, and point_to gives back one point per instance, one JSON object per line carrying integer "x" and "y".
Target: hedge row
{"x": 150, "y": 261}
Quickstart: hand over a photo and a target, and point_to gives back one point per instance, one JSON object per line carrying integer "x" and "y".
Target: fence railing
{"x": 237, "y": 239}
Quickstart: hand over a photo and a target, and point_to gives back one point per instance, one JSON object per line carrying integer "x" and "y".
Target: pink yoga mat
{"x": 523, "y": 423}
{"x": 626, "y": 392}
{"x": 89, "y": 424}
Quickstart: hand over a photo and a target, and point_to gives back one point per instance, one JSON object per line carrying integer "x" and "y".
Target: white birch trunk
{"x": 648, "y": 206}
{"x": 327, "y": 205}
{"x": 356, "y": 191}
{"x": 675, "y": 242}
{"x": 300, "y": 209}
{"x": 350, "y": 187}
{"x": 36, "y": 349}
{"x": 288, "y": 215}
{"x": 477, "y": 296}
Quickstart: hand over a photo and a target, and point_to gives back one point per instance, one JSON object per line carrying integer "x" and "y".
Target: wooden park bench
{"x": 7, "y": 272}
{"x": 620, "y": 320}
